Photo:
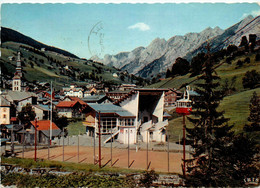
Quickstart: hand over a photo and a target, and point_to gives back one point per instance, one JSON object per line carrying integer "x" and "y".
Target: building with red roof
{"x": 44, "y": 128}
{"x": 70, "y": 98}
{"x": 69, "y": 109}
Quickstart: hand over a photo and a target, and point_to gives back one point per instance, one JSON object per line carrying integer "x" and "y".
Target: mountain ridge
{"x": 165, "y": 52}
{"x": 8, "y": 34}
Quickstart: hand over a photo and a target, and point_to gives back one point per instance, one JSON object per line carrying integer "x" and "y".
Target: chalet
{"x": 70, "y": 98}
{"x": 171, "y": 97}
{"x": 4, "y": 111}
{"x": 91, "y": 91}
{"x": 139, "y": 115}
{"x": 69, "y": 109}
{"x": 73, "y": 90}
{"x": 116, "y": 95}
{"x": 44, "y": 127}
{"x": 127, "y": 87}
{"x": 41, "y": 111}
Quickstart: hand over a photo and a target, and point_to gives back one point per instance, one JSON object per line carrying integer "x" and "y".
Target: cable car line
{"x": 235, "y": 37}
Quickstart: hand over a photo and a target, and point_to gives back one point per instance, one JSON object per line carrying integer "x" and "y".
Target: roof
{"x": 72, "y": 89}
{"x": 193, "y": 93}
{"x": 13, "y": 119}
{"x": 42, "y": 107}
{"x": 16, "y": 77}
{"x": 165, "y": 114}
{"x": 45, "y": 125}
{"x": 110, "y": 108}
{"x": 128, "y": 85}
{"x": 93, "y": 98}
{"x": 53, "y": 94}
{"x": 14, "y": 127}
{"x": 18, "y": 95}
{"x": 4, "y": 102}
{"x": 66, "y": 104}
{"x": 3, "y": 140}
{"x": 118, "y": 92}
{"x": 151, "y": 89}
{"x": 174, "y": 90}
{"x": 54, "y": 132}
{"x": 183, "y": 100}
{"x": 77, "y": 99}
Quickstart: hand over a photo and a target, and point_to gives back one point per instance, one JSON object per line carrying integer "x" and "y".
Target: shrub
{"x": 71, "y": 180}
{"x": 240, "y": 63}
{"x": 247, "y": 60}
{"x": 257, "y": 57}
{"x": 147, "y": 178}
{"x": 251, "y": 79}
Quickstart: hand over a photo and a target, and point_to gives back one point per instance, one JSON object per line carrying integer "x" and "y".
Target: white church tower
{"x": 17, "y": 83}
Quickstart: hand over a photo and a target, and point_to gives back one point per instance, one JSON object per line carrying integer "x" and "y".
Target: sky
{"x": 90, "y": 29}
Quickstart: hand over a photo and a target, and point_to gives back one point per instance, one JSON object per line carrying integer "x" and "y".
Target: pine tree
{"x": 245, "y": 149}
{"x": 253, "y": 128}
{"x": 168, "y": 73}
{"x": 254, "y": 116}
{"x": 211, "y": 135}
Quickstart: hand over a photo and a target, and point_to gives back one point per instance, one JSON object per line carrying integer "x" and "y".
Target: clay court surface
{"x": 159, "y": 160}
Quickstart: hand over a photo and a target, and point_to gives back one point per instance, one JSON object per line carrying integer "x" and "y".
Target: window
{"x": 4, "y": 116}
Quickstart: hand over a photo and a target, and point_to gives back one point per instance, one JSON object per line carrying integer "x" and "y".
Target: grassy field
{"x": 76, "y": 128}
{"x": 45, "y": 73}
{"x": 236, "y": 108}
{"x": 176, "y": 128}
{"x": 225, "y": 71}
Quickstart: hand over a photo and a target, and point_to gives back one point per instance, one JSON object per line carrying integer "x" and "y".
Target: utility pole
{"x": 49, "y": 142}
{"x": 94, "y": 145}
{"x": 168, "y": 139}
{"x": 63, "y": 145}
{"x": 147, "y": 145}
{"x": 23, "y": 140}
{"x": 128, "y": 147}
{"x": 78, "y": 148}
{"x": 12, "y": 141}
{"x": 35, "y": 140}
{"x": 111, "y": 143}
{"x": 99, "y": 143}
{"x": 49, "y": 148}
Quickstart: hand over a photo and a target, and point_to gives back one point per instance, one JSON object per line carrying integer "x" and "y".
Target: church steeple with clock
{"x": 17, "y": 83}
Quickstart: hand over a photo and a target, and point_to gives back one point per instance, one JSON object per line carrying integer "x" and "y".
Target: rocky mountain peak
{"x": 211, "y": 31}
{"x": 245, "y": 21}
{"x": 161, "y": 54}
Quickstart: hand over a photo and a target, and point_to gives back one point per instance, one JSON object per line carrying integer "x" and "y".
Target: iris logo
{"x": 251, "y": 181}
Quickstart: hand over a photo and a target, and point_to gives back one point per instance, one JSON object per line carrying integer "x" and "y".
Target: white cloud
{"x": 253, "y": 13}
{"x": 141, "y": 26}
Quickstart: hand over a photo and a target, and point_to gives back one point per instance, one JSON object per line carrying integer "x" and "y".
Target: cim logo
{"x": 251, "y": 181}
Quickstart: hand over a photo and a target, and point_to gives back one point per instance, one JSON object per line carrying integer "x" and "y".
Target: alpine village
{"x": 191, "y": 121}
